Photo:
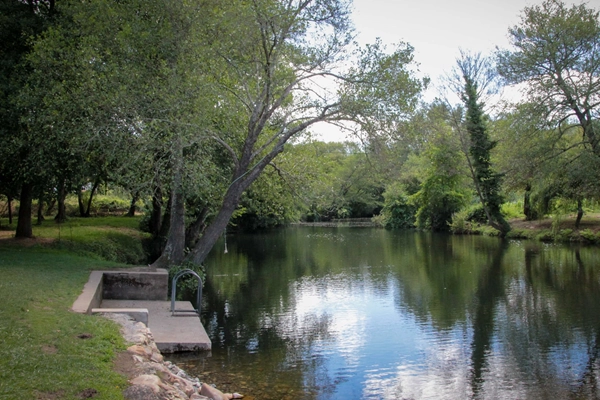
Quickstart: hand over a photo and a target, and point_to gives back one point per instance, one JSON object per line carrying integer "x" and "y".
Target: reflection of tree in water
{"x": 250, "y": 302}
{"x": 502, "y": 314}
{"x": 539, "y": 327}
{"x": 490, "y": 291}
{"x": 439, "y": 275}
{"x": 533, "y": 310}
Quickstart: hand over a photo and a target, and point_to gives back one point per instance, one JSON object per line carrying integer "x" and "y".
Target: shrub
{"x": 476, "y": 213}
{"x": 513, "y": 210}
{"x": 397, "y": 211}
{"x": 589, "y": 236}
{"x": 564, "y": 235}
{"x": 187, "y": 285}
{"x": 460, "y": 224}
{"x": 545, "y": 236}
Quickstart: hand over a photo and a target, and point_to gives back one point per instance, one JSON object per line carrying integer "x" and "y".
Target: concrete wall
{"x": 135, "y": 285}
{"x": 91, "y": 297}
{"x": 130, "y": 284}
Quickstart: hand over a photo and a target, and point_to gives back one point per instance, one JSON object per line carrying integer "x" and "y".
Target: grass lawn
{"x": 47, "y": 351}
{"x": 109, "y": 238}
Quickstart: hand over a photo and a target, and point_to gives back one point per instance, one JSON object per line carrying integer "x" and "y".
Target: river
{"x": 366, "y": 313}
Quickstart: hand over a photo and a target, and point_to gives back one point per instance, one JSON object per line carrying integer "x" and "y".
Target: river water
{"x": 365, "y": 313}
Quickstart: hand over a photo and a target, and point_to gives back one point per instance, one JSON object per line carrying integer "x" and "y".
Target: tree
{"x": 556, "y": 57}
{"x": 472, "y": 79}
{"x": 442, "y": 191}
{"x": 271, "y": 59}
{"x": 20, "y": 22}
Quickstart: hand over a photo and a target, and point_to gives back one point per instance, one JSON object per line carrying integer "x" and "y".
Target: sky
{"x": 437, "y": 29}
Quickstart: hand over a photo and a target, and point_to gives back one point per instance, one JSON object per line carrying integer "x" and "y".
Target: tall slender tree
{"x": 472, "y": 78}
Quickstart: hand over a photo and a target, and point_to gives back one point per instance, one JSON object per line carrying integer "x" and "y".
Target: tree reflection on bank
{"x": 367, "y": 313}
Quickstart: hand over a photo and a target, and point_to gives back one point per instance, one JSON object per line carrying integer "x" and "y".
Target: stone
{"x": 140, "y": 392}
{"x": 211, "y": 392}
{"x": 151, "y": 381}
{"x": 197, "y": 396}
{"x": 139, "y": 350}
{"x": 156, "y": 357}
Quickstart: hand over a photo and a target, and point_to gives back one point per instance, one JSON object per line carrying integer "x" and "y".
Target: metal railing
{"x": 174, "y": 292}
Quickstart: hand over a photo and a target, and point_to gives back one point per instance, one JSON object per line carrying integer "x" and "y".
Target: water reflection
{"x": 326, "y": 313}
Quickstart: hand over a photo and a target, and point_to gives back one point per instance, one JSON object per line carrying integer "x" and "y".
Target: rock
{"x": 140, "y": 392}
{"x": 156, "y": 357}
{"x": 139, "y": 350}
{"x": 151, "y": 381}
{"x": 211, "y": 392}
{"x": 159, "y": 379}
{"x": 198, "y": 397}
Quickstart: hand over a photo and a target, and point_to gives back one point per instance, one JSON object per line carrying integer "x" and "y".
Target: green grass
{"x": 112, "y": 238}
{"x": 41, "y": 353}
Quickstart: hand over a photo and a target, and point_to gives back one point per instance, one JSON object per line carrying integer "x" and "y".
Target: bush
{"x": 187, "y": 285}
{"x": 476, "y": 213}
{"x": 397, "y": 211}
{"x": 545, "y": 236}
{"x": 460, "y": 224}
{"x": 400, "y": 215}
{"x": 518, "y": 234}
{"x": 589, "y": 236}
{"x": 513, "y": 210}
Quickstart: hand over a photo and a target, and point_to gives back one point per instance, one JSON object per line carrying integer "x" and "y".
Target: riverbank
{"x": 41, "y": 280}
{"x": 149, "y": 375}
{"x": 559, "y": 230}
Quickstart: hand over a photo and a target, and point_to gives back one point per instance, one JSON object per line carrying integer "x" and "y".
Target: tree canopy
{"x": 204, "y": 110}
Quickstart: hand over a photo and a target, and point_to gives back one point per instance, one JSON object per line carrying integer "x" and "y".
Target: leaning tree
{"x": 278, "y": 68}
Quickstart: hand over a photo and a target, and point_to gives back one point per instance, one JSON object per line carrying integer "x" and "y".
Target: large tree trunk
{"x": 40, "y": 210}
{"x": 61, "y": 216}
{"x": 242, "y": 179}
{"x": 529, "y": 214}
{"x": 159, "y": 237}
{"x": 587, "y": 123}
{"x": 80, "y": 202}
{"x": 50, "y": 208}
{"x": 218, "y": 225}
{"x": 134, "y": 199}
{"x": 156, "y": 215}
{"x": 173, "y": 253}
{"x": 24, "y": 228}
{"x": 10, "y": 214}
{"x": 192, "y": 233}
{"x": 89, "y": 203}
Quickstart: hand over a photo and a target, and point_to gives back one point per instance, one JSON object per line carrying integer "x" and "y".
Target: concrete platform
{"x": 181, "y": 332}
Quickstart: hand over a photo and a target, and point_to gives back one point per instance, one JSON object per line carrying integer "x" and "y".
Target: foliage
{"x": 512, "y": 210}
{"x": 398, "y": 211}
{"x": 442, "y": 191}
{"x": 460, "y": 223}
{"x": 187, "y": 285}
{"x": 270, "y": 201}
{"x": 556, "y": 55}
{"x": 473, "y": 77}
{"x": 476, "y": 214}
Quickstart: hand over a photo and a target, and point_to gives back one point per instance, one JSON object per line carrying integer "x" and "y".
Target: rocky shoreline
{"x": 150, "y": 376}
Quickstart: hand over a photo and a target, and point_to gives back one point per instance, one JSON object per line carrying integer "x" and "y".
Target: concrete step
{"x": 180, "y": 332}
